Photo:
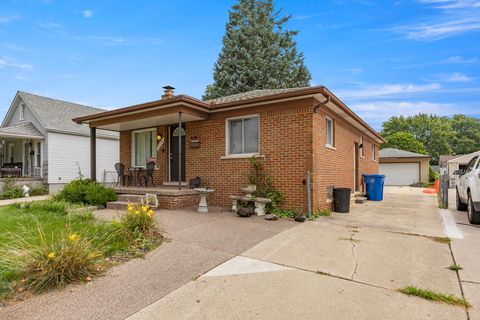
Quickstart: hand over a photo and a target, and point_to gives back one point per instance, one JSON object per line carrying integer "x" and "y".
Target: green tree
{"x": 257, "y": 53}
{"x": 434, "y": 132}
{"x": 404, "y": 141}
{"x": 467, "y": 134}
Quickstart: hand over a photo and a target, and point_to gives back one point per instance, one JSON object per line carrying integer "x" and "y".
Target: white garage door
{"x": 400, "y": 174}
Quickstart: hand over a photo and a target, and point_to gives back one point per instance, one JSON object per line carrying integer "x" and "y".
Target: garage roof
{"x": 397, "y": 153}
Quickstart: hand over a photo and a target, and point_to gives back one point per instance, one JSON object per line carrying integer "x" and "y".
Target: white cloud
{"x": 396, "y": 89}
{"x": 430, "y": 31}
{"x": 457, "y": 77}
{"x": 355, "y": 71}
{"x": 7, "y": 19}
{"x": 449, "y": 60}
{"x": 452, "y": 4}
{"x": 87, "y": 13}
{"x": 12, "y": 63}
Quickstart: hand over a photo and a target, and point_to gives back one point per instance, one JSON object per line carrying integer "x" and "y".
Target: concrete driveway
{"x": 342, "y": 267}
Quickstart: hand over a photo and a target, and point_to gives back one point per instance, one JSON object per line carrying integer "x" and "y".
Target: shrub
{"x": 321, "y": 213}
{"x": 139, "y": 223}
{"x": 38, "y": 191}
{"x": 86, "y": 191}
{"x": 47, "y": 265}
{"x": 11, "y": 190}
{"x": 99, "y": 195}
{"x": 432, "y": 175}
{"x": 285, "y": 213}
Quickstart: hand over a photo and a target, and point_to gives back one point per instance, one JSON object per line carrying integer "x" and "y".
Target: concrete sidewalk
{"x": 199, "y": 243}
{"x": 342, "y": 267}
{"x": 21, "y": 200}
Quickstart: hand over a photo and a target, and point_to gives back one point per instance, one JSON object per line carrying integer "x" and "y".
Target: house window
{"x": 330, "y": 137}
{"x": 243, "y": 136}
{"x": 373, "y": 153}
{"x": 143, "y": 146}
{"x": 361, "y": 147}
{"x": 22, "y": 112}
{"x": 39, "y": 154}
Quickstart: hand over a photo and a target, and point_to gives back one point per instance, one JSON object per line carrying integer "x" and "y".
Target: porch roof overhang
{"x": 151, "y": 114}
{"x": 21, "y": 131}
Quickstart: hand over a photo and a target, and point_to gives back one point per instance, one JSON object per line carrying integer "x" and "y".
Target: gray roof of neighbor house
{"x": 252, "y": 94}
{"x": 57, "y": 115}
{"x": 397, "y": 153}
{"x": 23, "y": 130}
{"x": 443, "y": 159}
{"x": 464, "y": 159}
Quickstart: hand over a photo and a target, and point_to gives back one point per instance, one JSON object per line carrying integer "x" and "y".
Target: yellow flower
{"x": 150, "y": 213}
{"x": 73, "y": 237}
{"x": 51, "y": 255}
{"x": 130, "y": 208}
{"x": 137, "y": 212}
{"x": 144, "y": 208}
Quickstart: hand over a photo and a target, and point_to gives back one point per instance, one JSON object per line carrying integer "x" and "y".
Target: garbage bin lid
{"x": 374, "y": 175}
{"x": 342, "y": 189}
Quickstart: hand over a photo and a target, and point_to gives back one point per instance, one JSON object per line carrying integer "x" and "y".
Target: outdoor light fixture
{"x": 178, "y": 132}
{"x": 159, "y": 137}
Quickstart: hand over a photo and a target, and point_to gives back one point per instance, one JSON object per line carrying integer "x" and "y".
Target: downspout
{"x": 309, "y": 182}
{"x": 179, "y": 151}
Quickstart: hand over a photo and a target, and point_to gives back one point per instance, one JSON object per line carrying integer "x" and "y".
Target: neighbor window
{"x": 22, "y": 111}
{"x": 243, "y": 135}
{"x": 39, "y": 154}
{"x": 373, "y": 152}
{"x": 330, "y": 137}
{"x": 143, "y": 146}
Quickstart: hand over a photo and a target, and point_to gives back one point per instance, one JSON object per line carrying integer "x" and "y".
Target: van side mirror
{"x": 458, "y": 172}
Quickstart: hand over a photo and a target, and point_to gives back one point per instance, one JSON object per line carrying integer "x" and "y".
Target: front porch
{"x": 169, "y": 197}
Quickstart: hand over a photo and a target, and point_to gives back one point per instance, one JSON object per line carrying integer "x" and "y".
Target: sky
{"x": 382, "y": 58}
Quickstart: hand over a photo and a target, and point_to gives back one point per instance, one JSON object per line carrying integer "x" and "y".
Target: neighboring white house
{"x": 453, "y": 163}
{"x": 39, "y": 141}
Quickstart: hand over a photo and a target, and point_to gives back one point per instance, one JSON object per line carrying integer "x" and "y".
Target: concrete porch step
{"x": 360, "y": 200}
{"x": 118, "y": 205}
{"x": 133, "y": 198}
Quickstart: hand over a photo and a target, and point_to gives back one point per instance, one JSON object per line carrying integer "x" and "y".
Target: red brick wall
{"x": 335, "y": 167}
{"x": 285, "y": 147}
{"x": 292, "y": 141}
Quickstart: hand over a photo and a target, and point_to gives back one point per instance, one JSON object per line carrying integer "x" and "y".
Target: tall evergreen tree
{"x": 257, "y": 52}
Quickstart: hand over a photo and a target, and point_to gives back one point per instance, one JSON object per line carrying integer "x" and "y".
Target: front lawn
{"x": 46, "y": 244}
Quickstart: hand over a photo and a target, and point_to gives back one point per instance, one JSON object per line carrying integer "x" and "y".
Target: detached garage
{"x": 403, "y": 168}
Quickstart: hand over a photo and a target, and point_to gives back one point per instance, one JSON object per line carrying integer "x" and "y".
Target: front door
{"x": 174, "y": 154}
{"x": 355, "y": 167}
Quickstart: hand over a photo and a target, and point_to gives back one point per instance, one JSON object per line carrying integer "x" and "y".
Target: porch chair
{"x": 150, "y": 200}
{"x": 149, "y": 173}
{"x": 121, "y": 176}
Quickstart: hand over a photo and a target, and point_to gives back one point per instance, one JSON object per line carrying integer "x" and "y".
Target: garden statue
{"x": 26, "y": 190}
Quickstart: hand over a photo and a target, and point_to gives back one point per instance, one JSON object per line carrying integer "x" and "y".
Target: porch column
{"x": 179, "y": 151}
{"x": 93, "y": 154}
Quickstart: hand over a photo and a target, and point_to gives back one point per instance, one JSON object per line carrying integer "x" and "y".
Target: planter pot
{"x": 195, "y": 144}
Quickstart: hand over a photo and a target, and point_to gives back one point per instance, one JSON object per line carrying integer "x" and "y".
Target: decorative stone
{"x": 271, "y": 216}
{"x": 244, "y": 212}
{"x": 202, "y": 206}
{"x": 260, "y": 205}
{"x": 300, "y": 218}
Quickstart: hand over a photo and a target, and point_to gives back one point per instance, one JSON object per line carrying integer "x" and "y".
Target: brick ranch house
{"x": 292, "y": 131}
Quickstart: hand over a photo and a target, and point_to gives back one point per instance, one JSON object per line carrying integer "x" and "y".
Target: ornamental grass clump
{"x": 46, "y": 265}
{"x": 139, "y": 223}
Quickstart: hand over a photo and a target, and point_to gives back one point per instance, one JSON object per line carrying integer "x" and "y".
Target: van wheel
{"x": 473, "y": 216}
{"x": 460, "y": 205}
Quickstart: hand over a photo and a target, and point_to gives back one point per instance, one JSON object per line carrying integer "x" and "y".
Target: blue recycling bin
{"x": 374, "y": 186}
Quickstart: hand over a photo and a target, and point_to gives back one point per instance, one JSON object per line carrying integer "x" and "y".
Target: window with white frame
{"x": 243, "y": 135}
{"x": 373, "y": 152}
{"x": 361, "y": 147}
{"x": 38, "y": 153}
{"x": 330, "y": 134}
{"x": 22, "y": 112}
{"x": 143, "y": 146}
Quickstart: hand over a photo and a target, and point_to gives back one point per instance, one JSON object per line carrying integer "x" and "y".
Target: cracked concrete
{"x": 353, "y": 255}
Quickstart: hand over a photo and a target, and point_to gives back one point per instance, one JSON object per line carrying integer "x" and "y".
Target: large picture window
{"x": 143, "y": 146}
{"x": 243, "y": 136}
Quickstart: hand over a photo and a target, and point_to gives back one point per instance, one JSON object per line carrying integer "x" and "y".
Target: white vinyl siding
{"x": 68, "y": 153}
{"x": 143, "y": 146}
{"x": 243, "y": 136}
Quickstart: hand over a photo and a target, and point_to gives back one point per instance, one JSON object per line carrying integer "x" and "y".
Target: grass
{"x": 455, "y": 267}
{"x": 46, "y": 224}
{"x": 435, "y": 296}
